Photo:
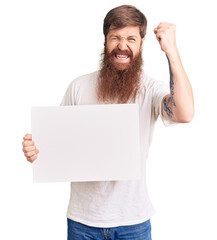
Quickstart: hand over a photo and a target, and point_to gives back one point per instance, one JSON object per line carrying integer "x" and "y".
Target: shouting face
{"x": 123, "y": 45}
{"x": 119, "y": 79}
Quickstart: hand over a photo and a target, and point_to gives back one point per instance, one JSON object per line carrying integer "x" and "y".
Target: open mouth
{"x": 122, "y": 58}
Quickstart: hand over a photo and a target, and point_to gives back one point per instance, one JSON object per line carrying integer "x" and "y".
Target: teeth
{"x": 122, "y": 56}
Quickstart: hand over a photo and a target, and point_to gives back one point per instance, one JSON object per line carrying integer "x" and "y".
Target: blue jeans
{"x": 79, "y": 231}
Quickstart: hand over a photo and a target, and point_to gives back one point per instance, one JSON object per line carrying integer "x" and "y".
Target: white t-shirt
{"x": 116, "y": 203}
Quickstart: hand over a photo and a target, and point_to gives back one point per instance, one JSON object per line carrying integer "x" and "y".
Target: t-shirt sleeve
{"x": 160, "y": 90}
{"x": 69, "y": 98}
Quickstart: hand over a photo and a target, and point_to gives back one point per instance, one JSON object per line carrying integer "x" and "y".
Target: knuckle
{"x": 29, "y": 154}
{"x": 25, "y": 149}
{"x": 25, "y": 143}
{"x": 28, "y": 136}
{"x": 34, "y": 157}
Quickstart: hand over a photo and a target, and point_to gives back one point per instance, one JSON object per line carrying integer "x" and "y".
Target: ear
{"x": 142, "y": 41}
{"x": 105, "y": 42}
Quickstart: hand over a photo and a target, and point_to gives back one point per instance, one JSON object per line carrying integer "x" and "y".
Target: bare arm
{"x": 179, "y": 104}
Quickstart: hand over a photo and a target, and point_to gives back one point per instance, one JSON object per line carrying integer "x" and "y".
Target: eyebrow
{"x": 133, "y": 36}
{"x": 116, "y": 35}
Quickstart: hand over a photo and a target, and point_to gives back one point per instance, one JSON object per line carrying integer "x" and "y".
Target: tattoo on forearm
{"x": 167, "y": 108}
{"x": 171, "y": 84}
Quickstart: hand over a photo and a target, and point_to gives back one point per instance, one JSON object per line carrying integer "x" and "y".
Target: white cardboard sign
{"x": 86, "y": 143}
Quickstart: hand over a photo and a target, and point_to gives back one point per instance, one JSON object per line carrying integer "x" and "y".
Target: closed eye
{"x": 115, "y": 38}
{"x": 132, "y": 39}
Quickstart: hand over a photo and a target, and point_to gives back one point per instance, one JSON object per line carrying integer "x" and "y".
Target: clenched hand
{"x": 29, "y": 148}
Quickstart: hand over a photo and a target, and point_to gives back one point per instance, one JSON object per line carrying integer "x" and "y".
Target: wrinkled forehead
{"x": 125, "y": 31}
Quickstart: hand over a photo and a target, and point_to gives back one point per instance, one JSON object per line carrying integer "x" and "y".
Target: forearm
{"x": 181, "y": 103}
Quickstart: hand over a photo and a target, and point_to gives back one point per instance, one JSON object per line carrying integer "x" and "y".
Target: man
{"x": 122, "y": 209}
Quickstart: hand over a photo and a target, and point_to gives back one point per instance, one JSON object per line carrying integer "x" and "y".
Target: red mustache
{"x": 117, "y": 51}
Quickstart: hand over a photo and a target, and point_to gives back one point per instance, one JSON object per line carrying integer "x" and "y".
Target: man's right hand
{"x": 29, "y": 148}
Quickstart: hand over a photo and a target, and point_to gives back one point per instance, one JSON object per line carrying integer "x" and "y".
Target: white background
{"x": 44, "y": 45}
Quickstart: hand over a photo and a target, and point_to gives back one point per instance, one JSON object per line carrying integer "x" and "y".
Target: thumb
{"x": 28, "y": 136}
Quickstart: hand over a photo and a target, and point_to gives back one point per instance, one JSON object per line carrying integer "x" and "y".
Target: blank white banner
{"x": 86, "y": 143}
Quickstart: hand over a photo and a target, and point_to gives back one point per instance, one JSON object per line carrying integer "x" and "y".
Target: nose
{"x": 122, "y": 44}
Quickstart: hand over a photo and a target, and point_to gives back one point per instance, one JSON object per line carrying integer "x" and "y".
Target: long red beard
{"x": 117, "y": 85}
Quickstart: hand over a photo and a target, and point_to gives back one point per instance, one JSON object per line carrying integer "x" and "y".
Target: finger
{"x": 159, "y": 27}
{"x": 165, "y": 27}
{"x": 158, "y": 36}
{"x": 32, "y": 159}
{"x": 27, "y": 137}
{"x": 161, "y": 33}
{"x": 32, "y": 153}
{"x": 28, "y": 149}
{"x": 28, "y": 143}
{"x": 163, "y": 24}
{"x": 162, "y": 29}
